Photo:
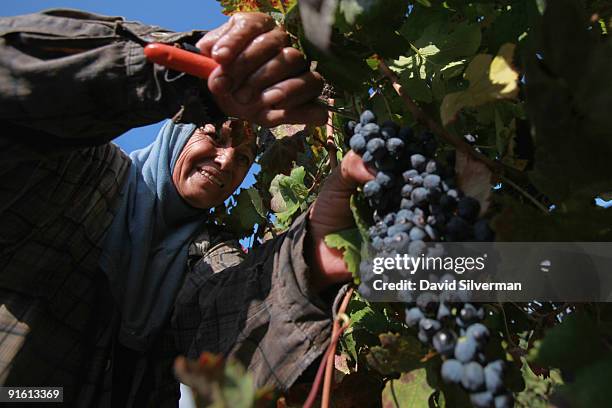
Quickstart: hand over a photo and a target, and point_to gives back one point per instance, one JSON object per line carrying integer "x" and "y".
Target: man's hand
{"x": 261, "y": 78}
{"x": 331, "y": 212}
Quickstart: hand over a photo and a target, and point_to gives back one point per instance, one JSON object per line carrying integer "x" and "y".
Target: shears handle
{"x": 190, "y": 62}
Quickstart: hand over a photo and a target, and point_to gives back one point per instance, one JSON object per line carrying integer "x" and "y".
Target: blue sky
{"x": 177, "y": 15}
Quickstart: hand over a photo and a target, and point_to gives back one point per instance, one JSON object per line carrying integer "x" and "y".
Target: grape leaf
{"x": 396, "y": 354}
{"x": 591, "y": 387}
{"x": 248, "y": 211}
{"x": 349, "y": 241}
{"x": 490, "y": 79}
{"x": 411, "y": 390}
{"x": 474, "y": 179}
{"x": 289, "y": 195}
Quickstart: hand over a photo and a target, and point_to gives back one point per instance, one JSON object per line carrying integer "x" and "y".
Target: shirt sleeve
{"x": 84, "y": 77}
{"x": 262, "y": 312}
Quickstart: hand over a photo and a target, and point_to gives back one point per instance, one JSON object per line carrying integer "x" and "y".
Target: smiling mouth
{"x": 211, "y": 177}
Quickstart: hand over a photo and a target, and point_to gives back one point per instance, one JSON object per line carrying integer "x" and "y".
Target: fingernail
{"x": 244, "y": 95}
{"x": 272, "y": 96}
{"x": 223, "y": 83}
{"x": 222, "y": 52}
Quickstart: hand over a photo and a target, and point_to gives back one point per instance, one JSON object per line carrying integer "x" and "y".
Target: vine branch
{"x": 434, "y": 126}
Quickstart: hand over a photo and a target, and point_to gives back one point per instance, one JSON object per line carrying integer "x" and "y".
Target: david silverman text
{"x": 465, "y": 284}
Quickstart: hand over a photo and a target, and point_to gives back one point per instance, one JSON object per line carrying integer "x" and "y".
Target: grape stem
{"x": 436, "y": 128}
{"x": 330, "y": 145}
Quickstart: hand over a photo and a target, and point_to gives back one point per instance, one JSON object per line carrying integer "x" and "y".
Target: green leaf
{"x": 396, "y": 354}
{"x": 288, "y": 195}
{"x": 591, "y": 387}
{"x": 349, "y": 241}
{"x": 490, "y": 79}
{"x": 411, "y": 390}
{"x": 248, "y": 211}
{"x": 571, "y": 345}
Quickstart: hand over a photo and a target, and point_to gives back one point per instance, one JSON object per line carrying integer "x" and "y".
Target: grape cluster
{"x": 416, "y": 201}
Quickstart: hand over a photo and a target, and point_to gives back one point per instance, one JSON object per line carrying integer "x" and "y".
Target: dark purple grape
{"x": 417, "y": 233}
{"x": 387, "y": 132}
{"x": 443, "y": 311}
{"x": 482, "y": 399}
{"x": 371, "y": 188}
{"x": 431, "y": 181}
{"x": 468, "y": 208}
{"x": 452, "y": 371}
{"x": 497, "y": 365}
{"x": 447, "y": 203}
{"x": 406, "y": 204}
{"x": 403, "y": 216}
{"x": 409, "y": 174}
{"x": 426, "y": 301}
{"x": 349, "y": 127}
{"x": 406, "y": 190}
{"x": 389, "y": 219}
{"x": 395, "y": 146}
{"x": 419, "y": 196}
{"x": 493, "y": 380}
{"x": 377, "y": 243}
{"x": 414, "y": 316}
{"x": 431, "y": 167}
{"x": 444, "y": 342}
{"x": 469, "y": 314}
{"x": 367, "y": 158}
{"x": 478, "y": 332}
{"x": 429, "y": 326}
{"x": 367, "y": 116}
{"x": 406, "y": 134}
{"x": 473, "y": 377}
{"x": 504, "y": 401}
{"x": 465, "y": 349}
{"x": 370, "y": 131}
{"x": 358, "y": 144}
{"x": 418, "y": 161}
{"x": 384, "y": 179}
{"x": 376, "y": 147}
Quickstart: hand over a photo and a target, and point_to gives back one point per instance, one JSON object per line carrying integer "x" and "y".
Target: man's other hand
{"x": 260, "y": 77}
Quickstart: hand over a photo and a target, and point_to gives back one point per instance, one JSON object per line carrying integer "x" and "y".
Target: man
{"x": 93, "y": 244}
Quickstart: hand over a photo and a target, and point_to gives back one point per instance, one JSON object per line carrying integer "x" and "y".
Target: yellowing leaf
{"x": 490, "y": 79}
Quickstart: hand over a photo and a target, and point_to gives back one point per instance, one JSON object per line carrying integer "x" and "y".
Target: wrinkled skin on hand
{"x": 331, "y": 212}
{"x": 260, "y": 77}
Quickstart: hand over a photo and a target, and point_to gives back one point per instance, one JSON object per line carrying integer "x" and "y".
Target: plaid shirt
{"x": 70, "y": 82}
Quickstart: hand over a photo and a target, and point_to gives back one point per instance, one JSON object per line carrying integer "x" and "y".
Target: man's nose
{"x": 225, "y": 157}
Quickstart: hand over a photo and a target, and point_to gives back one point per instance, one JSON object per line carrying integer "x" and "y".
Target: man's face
{"x": 209, "y": 169}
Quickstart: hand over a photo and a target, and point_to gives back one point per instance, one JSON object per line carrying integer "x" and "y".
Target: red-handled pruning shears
{"x": 188, "y": 60}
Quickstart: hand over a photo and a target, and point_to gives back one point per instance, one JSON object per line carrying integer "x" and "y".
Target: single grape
{"x": 406, "y": 134}
{"x": 370, "y": 131}
{"x": 497, "y": 365}
{"x": 367, "y": 157}
{"x": 376, "y": 147}
{"x": 377, "y": 243}
{"x": 418, "y": 162}
{"x": 406, "y": 204}
{"x": 478, "y": 332}
{"x": 426, "y": 301}
{"x": 429, "y": 326}
{"x": 417, "y": 233}
{"x": 473, "y": 377}
{"x": 387, "y": 132}
{"x": 371, "y": 188}
{"x": 397, "y": 228}
{"x": 419, "y": 196}
{"x": 431, "y": 181}
{"x": 414, "y": 316}
{"x": 448, "y": 203}
{"x": 443, "y": 311}
{"x": 493, "y": 380}
{"x": 409, "y": 174}
{"x": 395, "y": 146}
{"x": 469, "y": 314}
{"x": 444, "y": 342}
{"x": 384, "y": 179}
{"x": 482, "y": 399}
{"x": 367, "y": 116}
{"x": 452, "y": 371}
{"x": 389, "y": 219}
{"x": 406, "y": 190}
{"x": 358, "y": 143}
{"x": 465, "y": 349}
{"x": 504, "y": 401}
{"x": 431, "y": 167}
